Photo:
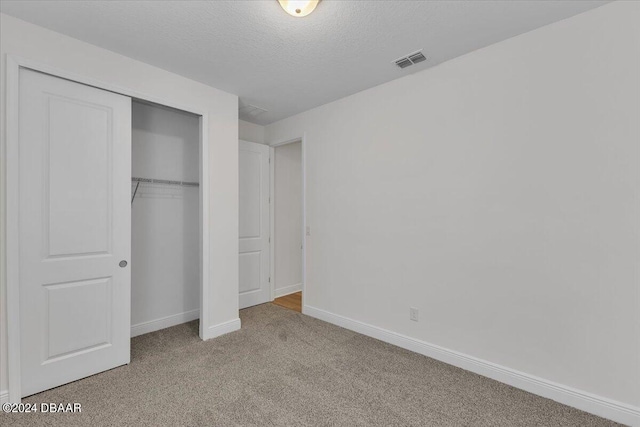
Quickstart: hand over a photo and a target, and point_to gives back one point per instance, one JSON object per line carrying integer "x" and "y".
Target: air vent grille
{"x": 248, "y": 110}
{"x": 417, "y": 57}
{"x": 403, "y": 63}
{"x": 412, "y": 58}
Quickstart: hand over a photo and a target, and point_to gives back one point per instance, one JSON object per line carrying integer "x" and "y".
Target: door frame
{"x": 12, "y": 225}
{"x": 303, "y": 148}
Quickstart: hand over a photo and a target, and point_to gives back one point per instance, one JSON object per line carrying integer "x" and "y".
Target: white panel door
{"x": 75, "y": 228}
{"x": 254, "y": 224}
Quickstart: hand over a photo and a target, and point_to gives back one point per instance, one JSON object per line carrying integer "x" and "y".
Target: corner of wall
{"x": 222, "y": 329}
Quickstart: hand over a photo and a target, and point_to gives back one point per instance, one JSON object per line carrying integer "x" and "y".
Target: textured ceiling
{"x": 288, "y": 65}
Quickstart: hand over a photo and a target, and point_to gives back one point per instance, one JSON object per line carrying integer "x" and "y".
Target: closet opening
{"x": 165, "y": 217}
{"x": 111, "y": 239}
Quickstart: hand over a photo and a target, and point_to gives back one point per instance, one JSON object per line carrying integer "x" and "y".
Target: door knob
{"x": 123, "y": 263}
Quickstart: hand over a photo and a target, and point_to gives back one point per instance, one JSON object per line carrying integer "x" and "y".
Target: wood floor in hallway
{"x": 291, "y": 301}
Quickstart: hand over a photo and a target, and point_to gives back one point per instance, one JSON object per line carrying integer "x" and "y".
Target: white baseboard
{"x": 222, "y": 328}
{"x": 292, "y": 289}
{"x": 607, "y": 408}
{"x": 4, "y": 396}
{"x": 165, "y": 322}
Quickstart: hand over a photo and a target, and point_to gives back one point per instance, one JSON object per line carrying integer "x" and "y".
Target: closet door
{"x": 75, "y": 228}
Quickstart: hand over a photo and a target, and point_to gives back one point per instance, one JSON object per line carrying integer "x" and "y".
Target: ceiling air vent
{"x": 403, "y": 63}
{"x": 410, "y": 59}
{"x": 251, "y": 111}
{"x": 417, "y": 57}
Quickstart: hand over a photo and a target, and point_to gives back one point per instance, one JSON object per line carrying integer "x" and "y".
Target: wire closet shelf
{"x": 138, "y": 181}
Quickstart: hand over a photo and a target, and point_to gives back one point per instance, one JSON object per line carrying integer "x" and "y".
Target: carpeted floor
{"x": 287, "y": 369}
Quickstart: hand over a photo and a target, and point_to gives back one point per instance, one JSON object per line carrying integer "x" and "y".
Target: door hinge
{"x": 269, "y": 279}
{"x": 269, "y": 239}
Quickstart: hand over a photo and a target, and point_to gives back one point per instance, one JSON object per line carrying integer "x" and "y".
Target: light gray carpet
{"x": 287, "y": 369}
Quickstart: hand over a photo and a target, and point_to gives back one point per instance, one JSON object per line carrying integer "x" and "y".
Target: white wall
{"x": 250, "y": 132}
{"x": 165, "y": 250}
{"x": 55, "y": 50}
{"x": 498, "y": 194}
{"x": 288, "y": 218}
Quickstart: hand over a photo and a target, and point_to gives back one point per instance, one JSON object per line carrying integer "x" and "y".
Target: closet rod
{"x": 165, "y": 181}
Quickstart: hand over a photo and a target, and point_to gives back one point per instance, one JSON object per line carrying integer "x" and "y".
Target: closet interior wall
{"x": 164, "y": 225}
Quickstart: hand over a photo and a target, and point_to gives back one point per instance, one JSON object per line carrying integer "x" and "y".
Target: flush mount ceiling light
{"x": 298, "y": 8}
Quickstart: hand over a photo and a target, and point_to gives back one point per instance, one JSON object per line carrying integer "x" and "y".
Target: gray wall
{"x": 498, "y": 194}
{"x": 250, "y": 132}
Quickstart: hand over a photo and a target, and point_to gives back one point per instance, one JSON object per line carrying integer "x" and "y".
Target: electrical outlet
{"x": 413, "y": 314}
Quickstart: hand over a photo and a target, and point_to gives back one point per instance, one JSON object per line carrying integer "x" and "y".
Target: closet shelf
{"x": 165, "y": 181}
{"x": 138, "y": 181}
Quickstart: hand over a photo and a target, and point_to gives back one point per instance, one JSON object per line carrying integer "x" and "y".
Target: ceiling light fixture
{"x": 298, "y": 8}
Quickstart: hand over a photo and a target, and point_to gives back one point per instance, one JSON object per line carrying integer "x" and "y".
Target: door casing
{"x": 12, "y": 243}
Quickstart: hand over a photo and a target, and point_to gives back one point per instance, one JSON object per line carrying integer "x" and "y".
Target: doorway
{"x": 287, "y": 230}
{"x": 271, "y": 224}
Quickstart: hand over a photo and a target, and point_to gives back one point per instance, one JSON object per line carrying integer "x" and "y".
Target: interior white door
{"x": 254, "y": 224}
{"x": 75, "y": 228}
